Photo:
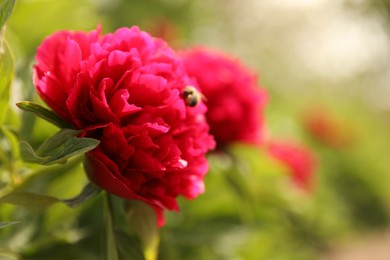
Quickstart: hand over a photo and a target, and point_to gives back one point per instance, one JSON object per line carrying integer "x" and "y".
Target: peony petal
{"x": 100, "y": 107}
{"x": 119, "y": 58}
{"x": 120, "y": 105}
{"x": 142, "y": 141}
{"x": 114, "y": 143}
{"x": 72, "y": 59}
{"x": 192, "y": 186}
{"x": 48, "y": 52}
{"x": 104, "y": 172}
{"x": 51, "y": 91}
{"x": 152, "y": 82}
{"x": 77, "y": 102}
{"x": 147, "y": 163}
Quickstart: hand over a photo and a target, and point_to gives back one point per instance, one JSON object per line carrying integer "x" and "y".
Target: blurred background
{"x": 326, "y": 67}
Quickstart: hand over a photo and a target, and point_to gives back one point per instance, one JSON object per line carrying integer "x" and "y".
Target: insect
{"x": 192, "y": 96}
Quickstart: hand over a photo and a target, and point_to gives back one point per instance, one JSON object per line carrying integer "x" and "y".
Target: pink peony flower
{"x": 298, "y": 159}
{"x": 234, "y": 99}
{"x": 126, "y": 89}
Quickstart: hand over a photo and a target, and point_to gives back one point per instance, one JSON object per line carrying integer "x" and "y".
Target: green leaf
{"x": 112, "y": 250}
{"x": 142, "y": 219}
{"x": 87, "y": 193}
{"x": 48, "y": 147}
{"x": 29, "y": 200}
{"x": 58, "y": 148}
{"x": 57, "y": 140}
{"x": 72, "y": 147}
{"x": 29, "y": 155}
{"x": 43, "y": 113}
{"x": 13, "y": 142}
{"x": 5, "y": 10}
{"x": 6, "y": 224}
{"x": 6, "y": 75}
{"x": 39, "y": 201}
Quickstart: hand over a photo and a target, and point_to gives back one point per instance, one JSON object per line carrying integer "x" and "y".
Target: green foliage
{"x": 64, "y": 14}
{"x": 6, "y": 224}
{"x": 72, "y": 147}
{"x": 142, "y": 219}
{"x": 6, "y": 75}
{"x": 6, "y": 7}
{"x": 88, "y": 192}
{"x": 29, "y": 200}
{"x": 39, "y": 202}
{"x": 59, "y": 148}
{"x": 6, "y": 62}
{"x": 13, "y": 152}
{"x": 111, "y": 247}
{"x": 44, "y": 113}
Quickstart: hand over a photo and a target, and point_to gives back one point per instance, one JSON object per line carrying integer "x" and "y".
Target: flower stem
{"x": 112, "y": 253}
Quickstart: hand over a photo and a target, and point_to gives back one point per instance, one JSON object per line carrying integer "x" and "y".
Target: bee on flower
{"x": 192, "y": 96}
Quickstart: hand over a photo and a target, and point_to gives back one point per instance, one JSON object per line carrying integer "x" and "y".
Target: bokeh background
{"x": 326, "y": 67}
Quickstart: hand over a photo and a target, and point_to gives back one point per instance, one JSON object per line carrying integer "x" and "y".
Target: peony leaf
{"x": 112, "y": 251}
{"x": 58, "y": 148}
{"x": 39, "y": 201}
{"x": 87, "y": 193}
{"x": 72, "y": 147}
{"x": 57, "y": 140}
{"x": 5, "y": 10}
{"x": 29, "y": 155}
{"x": 29, "y": 200}
{"x": 142, "y": 219}
{"x": 43, "y": 113}
{"x": 6, "y": 75}
{"x": 6, "y": 224}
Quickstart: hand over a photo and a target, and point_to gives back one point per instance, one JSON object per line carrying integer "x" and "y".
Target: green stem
{"x": 2, "y": 30}
{"x": 112, "y": 253}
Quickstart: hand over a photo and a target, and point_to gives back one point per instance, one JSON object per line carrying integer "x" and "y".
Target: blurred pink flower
{"x": 299, "y": 160}
{"x": 235, "y": 101}
{"x": 328, "y": 129}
